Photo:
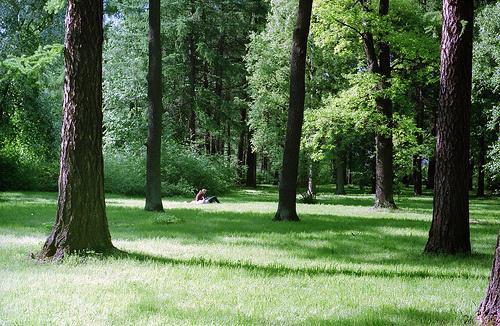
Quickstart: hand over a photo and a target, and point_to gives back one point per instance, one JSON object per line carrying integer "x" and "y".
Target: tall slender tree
{"x": 380, "y": 63}
{"x": 155, "y": 112}
{"x": 449, "y": 231}
{"x": 288, "y": 180}
{"x": 81, "y": 222}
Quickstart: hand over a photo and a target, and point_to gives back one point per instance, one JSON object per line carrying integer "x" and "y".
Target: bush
{"x": 124, "y": 173}
{"x": 27, "y": 174}
{"x": 183, "y": 171}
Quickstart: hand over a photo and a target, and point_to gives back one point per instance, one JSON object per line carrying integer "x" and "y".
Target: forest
{"x": 354, "y": 146}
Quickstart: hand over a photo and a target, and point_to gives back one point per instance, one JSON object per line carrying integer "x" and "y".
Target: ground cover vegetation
{"x": 343, "y": 264}
{"x": 165, "y": 98}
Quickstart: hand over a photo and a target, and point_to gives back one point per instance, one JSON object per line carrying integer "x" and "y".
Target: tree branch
{"x": 348, "y": 26}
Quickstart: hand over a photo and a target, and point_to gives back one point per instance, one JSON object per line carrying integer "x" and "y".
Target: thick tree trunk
{"x": 192, "y": 78}
{"x": 449, "y": 231}
{"x": 81, "y": 222}
{"x": 153, "y": 162}
{"x": 417, "y": 159}
{"x": 480, "y": 165}
{"x": 287, "y": 210}
{"x": 489, "y": 310}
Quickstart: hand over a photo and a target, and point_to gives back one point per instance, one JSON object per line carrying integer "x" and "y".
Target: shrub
{"x": 183, "y": 171}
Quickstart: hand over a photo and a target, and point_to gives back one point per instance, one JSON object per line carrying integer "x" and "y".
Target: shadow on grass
{"x": 282, "y": 270}
{"x": 389, "y": 315}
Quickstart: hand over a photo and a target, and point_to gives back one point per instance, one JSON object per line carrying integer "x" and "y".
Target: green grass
{"x": 343, "y": 264}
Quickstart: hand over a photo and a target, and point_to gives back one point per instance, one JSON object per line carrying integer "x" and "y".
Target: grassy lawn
{"x": 343, "y": 264}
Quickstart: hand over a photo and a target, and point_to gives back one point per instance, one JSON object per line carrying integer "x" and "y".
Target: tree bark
{"x": 489, "y": 309}
{"x": 417, "y": 159}
{"x": 449, "y": 231}
{"x": 287, "y": 210}
{"x": 153, "y": 162}
{"x": 81, "y": 223}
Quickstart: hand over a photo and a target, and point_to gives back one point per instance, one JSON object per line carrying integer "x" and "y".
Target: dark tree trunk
{"x": 417, "y": 159}
{"x": 417, "y": 175}
{"x": 251, "y": 180}
{"x": 153, "y": 164}
{"x": 431, "y": 173}
{"x": 449, "y": 231}
{"x": 81, "y": 222}
{"x": 381, "y": 64}
{"x": 288, "y": 180}
{"x": 489, "y": 310}
{"x": 192, "y": 78}
{"x": 241, "y": 143}
{"x": 480, "y": 165}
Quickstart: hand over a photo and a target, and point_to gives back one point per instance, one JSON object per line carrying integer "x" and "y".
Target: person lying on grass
{"x": 201, "y": 199}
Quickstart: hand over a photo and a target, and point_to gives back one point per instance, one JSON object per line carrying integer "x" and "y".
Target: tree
{"x": 81, "y": 222}
{"x": 155, "y": 112}
{"x": 488, "y": 313}
{"x": 381, "y": 64}
{"x": 449, "y": 231}
{"x": 288, "y": 179}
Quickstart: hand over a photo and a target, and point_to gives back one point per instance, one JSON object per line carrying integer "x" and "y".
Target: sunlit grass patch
{"x": 228, "y": 263}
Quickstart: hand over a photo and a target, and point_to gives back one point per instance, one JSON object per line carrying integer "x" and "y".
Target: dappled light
{"x": 193, "y": 262}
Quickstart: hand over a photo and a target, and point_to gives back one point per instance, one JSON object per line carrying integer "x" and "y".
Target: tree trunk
{"x": 417, "y": 159}
{"x": 192, "y": 78}
{"x": 381, "y": 64}
{"x": 311, "y": 185}
{"x": 153, "y": 164}
{"x": 241, "y": 143}
{"x": 449, "y": 231}
{"x": 480, "y": 165}
{"x": 417, "y": 175}
{"x": 251, "y": 180}
{"x": 287, "y": 210}
{"x": 431, "y": 172}
{"x": 81, "y": 222}
{"x": 489, "y": 309}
